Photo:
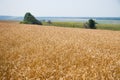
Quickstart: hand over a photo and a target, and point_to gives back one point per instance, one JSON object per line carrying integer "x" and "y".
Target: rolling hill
{"x": 33, "y": 52}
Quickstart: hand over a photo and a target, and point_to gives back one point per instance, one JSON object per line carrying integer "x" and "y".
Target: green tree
{"x": 92, "y": 23}
{"x": 30, "y": 19}
{"x": 49, "y": 22}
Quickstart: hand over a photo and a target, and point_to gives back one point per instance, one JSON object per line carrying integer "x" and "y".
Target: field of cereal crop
{"x": 32, "y": 52}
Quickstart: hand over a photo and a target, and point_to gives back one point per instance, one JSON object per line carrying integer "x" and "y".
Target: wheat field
{"x": 32, "y": 52}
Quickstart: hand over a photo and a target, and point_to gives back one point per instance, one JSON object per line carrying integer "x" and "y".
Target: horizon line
{"x": 69, "y": 16}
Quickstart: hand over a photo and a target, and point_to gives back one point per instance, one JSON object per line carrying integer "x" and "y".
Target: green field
{"x": 80, "y": 25}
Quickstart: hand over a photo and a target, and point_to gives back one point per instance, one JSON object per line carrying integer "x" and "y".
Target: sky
{"x": 61, "y": 8}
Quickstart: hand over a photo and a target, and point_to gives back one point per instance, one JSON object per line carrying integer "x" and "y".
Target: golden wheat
{"x": 31, "y": 52}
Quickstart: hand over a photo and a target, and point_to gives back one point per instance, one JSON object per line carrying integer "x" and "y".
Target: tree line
{"x": 30, "y": 19}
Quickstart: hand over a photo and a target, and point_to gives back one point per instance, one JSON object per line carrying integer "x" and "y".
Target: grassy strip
{"x": 65, "y": 24}
{"x": 115, "y": 27}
